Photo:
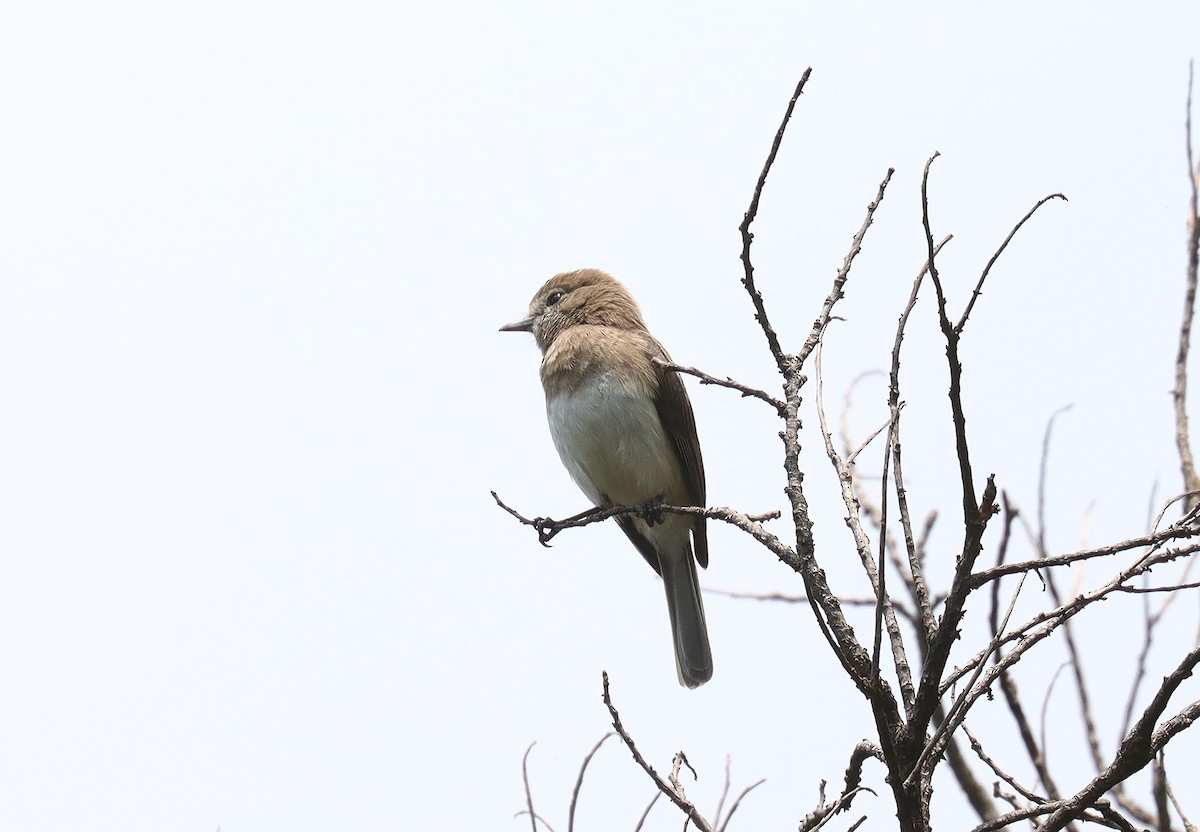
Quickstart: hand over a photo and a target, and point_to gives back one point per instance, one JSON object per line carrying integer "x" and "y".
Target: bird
{"x": 625, "y": 431}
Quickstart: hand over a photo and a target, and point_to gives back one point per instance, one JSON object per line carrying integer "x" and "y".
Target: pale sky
{"x": 254, "y": 259}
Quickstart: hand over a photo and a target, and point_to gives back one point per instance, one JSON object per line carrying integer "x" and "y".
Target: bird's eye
{"x": 555, "y": 297}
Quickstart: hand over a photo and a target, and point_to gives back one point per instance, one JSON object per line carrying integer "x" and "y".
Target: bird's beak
{"x": 523, "y": 325}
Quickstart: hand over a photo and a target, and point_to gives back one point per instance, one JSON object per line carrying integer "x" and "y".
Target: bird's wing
{"x": 675, "y": 412}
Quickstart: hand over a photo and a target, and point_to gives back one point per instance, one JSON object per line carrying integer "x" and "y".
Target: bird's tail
{"x": 693, "y": 657}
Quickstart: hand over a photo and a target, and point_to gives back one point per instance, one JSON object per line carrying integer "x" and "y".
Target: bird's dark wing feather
{"x": 643, "y": 545}
{"x": 675, "y": 412}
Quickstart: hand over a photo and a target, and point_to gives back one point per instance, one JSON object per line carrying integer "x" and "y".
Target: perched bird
{"x": 624, "y": 429}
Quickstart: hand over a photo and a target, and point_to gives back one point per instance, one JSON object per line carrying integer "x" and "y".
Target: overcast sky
{"x": 254, "y": 257}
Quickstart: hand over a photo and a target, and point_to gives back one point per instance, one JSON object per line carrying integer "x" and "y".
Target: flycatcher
{"x": 624, "y": 429}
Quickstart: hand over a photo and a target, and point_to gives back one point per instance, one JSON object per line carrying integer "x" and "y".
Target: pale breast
{"x": 612, "y": 443}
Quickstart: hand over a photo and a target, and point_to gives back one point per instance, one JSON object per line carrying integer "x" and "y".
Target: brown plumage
{"x": 624, "y": 428}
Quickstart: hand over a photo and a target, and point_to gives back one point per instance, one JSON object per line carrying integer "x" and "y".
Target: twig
{"x": 548, "y": 528}
{"x": 677, "y": 797}
{"x": 533, "y": 816}
{"x": 738, "y": 802}
{"x": 784, "y": 598}
{"x": 1086, "y": 713}
{"x": 724, "y": 792}
{"x": 1156, "y": 539}
{"x": 1187, "y": 824}
{"x": 1138, "y": 748}
{"x": 1158, "y": 787}
{"x": 705, "y": 378}
{"x": 851, "y": 457}
{"x": 782, "y": 361}
{"x": 974, "y": 790}
{"x": 1152, "y": 589}
{"x": 1045, "y": 712}
{"x": 1106, "y": 816}
{"x": 1182, "y": 438}
{"x": 1040, "y": 626}
{"x": 977, "y": 747}
{"x": 875, "y": 572}
{"x": 1008, "y": 689}
{"x": 862, "y": 752}
{"x": 843, "y": 274}
{"x": 962, "y": 322}
{"x": 536, "y": 818}
{"x": 975, "y": 514}
{"x": 919, "y": 588}
{"x": 958, "y": 712}
{"x": 579, "y": 781}
{"x": 642, "y": 820}
{"x": 819, "y": 816}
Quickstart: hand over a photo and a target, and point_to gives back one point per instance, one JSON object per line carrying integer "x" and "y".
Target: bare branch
{"x": 579, "y": 781}
{"x": 920, "y": 590}
{"x": 536, "y": 818}
{"x": 533, "y": 816}
{"x": 1138, "y": 748}
{"x": 1156, "y": 539}
{"x": 737, "y": 801}
{"x": 782, "y": 361}
{"x": 975, "y": 514}
{"x": 884, "y": 612}
{"x": 977, "y": 747}
{"x": 1191, "y": 482}
{"x": 1188, "y": 826}
{"x": 959, "y": 710}
{"x": 642, "y": 820}
{"x": 724, "y": 792}
{"x": 962, "y": 322}
{"x": 972, "y": 788}
{"x": 1155, "y": 589}
{"x": 836, "y": 294}
{"x": 1028, "y": 634}
{"x": 677, "y": 797}
{"x": 821, "y": 815}
{"x": 705, "y": 378}
{"x": 547, "y": 528}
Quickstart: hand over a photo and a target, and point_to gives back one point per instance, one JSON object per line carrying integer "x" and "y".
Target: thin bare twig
{"x": 642, "y": 820}
{"x": 745, "y": 390}
{"x": 1156, "y": 589}
{"x": 885, "y": 614}
{"x": 919, "y": 588}
{"x": 536, "y": 818}
{"x": 782, "y": 361}
{"x": 839, "y": 282}
{"x": 1156, "y": 539}
{"x": 677, "y": 797}
{"x": 821, "y": 815}
{"x": 579, "y": 781}
{"x": 1025, "y": 636}
{"x": 1075, "y": 662}
{"x": 975, "y": 513}
{"x": 977, "y": 747}
{"x": 724, "y": 791}
{"x": 1191, "y": 482}
{"x": 1138, "y": 748}
{"x": 1188, "y": 826}
{"x": 962, "y": 322}
{"x": 533, "y": 816}
{"x": 737, "y": 801}
{"x": 958, "y": 712}
{"x": 548, "y": 528}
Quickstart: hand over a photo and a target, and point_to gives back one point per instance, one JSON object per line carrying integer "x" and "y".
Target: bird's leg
{"x": 651, "y": 511}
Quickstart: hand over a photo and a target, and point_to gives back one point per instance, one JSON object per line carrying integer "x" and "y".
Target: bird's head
{"x": 583, "y": 297}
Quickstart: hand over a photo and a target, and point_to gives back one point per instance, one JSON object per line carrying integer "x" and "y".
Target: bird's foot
{"x": 651, "y": 511}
